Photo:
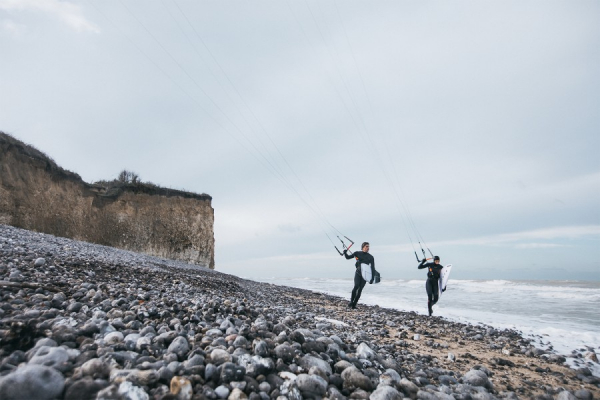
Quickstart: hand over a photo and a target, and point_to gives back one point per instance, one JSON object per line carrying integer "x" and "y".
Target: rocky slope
{"x": 83, "y": 321}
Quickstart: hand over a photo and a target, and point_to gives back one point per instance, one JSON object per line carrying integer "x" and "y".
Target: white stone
{"x": 364, "y": 352}
{"x": 287, "y": 375}
{"x": 113, "y": 338}
{"x": 130, "y": 392}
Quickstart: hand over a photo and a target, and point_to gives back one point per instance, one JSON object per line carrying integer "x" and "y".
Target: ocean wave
{"x": 569, "y": 296}
{"x": 538, "y": 288}
{"x": 498, "y": 282}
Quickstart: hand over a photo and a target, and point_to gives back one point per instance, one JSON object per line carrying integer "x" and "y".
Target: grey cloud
{"x": 488, "y": 111}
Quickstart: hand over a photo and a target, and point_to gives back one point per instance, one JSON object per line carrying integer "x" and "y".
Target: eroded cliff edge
{"x": 37, "y": 194}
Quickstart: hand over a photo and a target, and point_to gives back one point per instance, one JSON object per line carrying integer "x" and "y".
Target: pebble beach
{"x": 84, "y": 321}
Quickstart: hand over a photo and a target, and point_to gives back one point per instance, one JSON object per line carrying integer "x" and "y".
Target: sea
{"x": 559, "y": 315}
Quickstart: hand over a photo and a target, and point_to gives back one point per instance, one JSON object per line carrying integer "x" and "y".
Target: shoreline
{"x": 558, "y": 335}
{"x": 113, "y": 322}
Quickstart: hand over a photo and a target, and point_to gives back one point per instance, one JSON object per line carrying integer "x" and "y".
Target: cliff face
{"x": 38, "y": 195}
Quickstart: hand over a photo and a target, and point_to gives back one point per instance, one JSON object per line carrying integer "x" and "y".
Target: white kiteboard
{"x": 443, "y": 281}
{"x": 365, "y": 271}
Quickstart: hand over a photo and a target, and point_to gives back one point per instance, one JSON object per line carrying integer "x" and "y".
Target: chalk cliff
{"x": 37, "y": 194}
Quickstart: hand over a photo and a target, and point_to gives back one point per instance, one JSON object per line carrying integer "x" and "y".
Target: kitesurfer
{"x": 362, "y": 257}
{"x": 433, "y": 276}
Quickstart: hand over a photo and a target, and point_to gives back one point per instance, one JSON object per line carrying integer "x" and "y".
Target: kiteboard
{"x": 365, "y": 271}
{"x": 443, "y": 281}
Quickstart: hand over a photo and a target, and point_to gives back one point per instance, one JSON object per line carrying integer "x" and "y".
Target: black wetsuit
{"x": 359, "y": 282}
{"x": 433, "y": 276}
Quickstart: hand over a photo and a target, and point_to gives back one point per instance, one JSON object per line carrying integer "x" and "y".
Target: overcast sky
{"x": 478, "y": 122}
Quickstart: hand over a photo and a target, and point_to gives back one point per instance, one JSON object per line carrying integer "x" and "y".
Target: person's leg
{"x": 357, "y": 282}
{"x": 429, "y": 290}
{"x": 436, "y": 291}
{"x": 359, "y": 292}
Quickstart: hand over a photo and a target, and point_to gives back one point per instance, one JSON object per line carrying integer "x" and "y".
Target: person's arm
{"x": 423, "y": 265}
{"x": 372, "y": 271}
{"x": 348, "y": 256}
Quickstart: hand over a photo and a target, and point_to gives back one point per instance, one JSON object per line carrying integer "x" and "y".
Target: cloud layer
{"x": 476, "y": 122}
{"x": 68, "y": 13}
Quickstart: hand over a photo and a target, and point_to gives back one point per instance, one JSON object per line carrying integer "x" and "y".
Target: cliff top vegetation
{"x": 126, "y": 181}
{"x": 7, "y": 142}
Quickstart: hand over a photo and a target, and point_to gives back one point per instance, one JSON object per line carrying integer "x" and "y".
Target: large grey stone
{"x": 32, "y": 382}
{"x": 218, "y": 356}
{"x": 75, "y": 307}
{"x": 109, "y": 393}
{"x": 584, "y": 394}
{"x": 195, "y": 360}
{"x": 64, "y": 333}
{"x": 289, "y": 390}
{"x": 302, "y": 335}
{"x": 353, "y": 378}
{"x": 260, "y": 324}
{"x": 84, "y": 389}
{"x": 565, "y": 395}
{"x": 165, "y": 337}
{"x": 425, "y": 395}
{"x": 128, "y": 391}
{"x": 359, "y": 394}
{"x": 142, "y": 343}
{"x": 386, "y": 393}
{"x": 214, "y": 333}
{"x": 113, "y": 338}
{"x": 317, "y": 371}
{"x": 389, "y": 378}
{"x": 265, "y": 387}
{"x": 308, "y": 361}
{"x": 222, "y": 392}
{"x": 311, "y": 385}
{"x": 334, "y": 393}
{"x": 477, "y": 377}
{"x": 261, "y": 348}
{"x": 341, "y": 365}
{"x": 45, "y": 342}
{"x": 408, "y": 387}
{"x": 179, "y": 346}
{"x": 285, "y": 352}
{"x": 240, "y": 342}
{"x": 231, "y": 372}
{"x": 226, "y": 324}
{"x": 55, "y": 357}
{"x": 446, "y": 396}
{"x": 96, "y": 368}
{"x": 131, "y": 340}
{"x": 364, "y": 352}
{"x": 447, "y": 380}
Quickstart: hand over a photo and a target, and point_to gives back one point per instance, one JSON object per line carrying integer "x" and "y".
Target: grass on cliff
{"x": 28, "y": 150}
{"x": 130, "y": 181}
{"x": 126, "y": 181}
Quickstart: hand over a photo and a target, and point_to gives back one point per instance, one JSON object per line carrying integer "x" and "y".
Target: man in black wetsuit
{"x": 362, "y": 257}
{"x": 433, "y": 276}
